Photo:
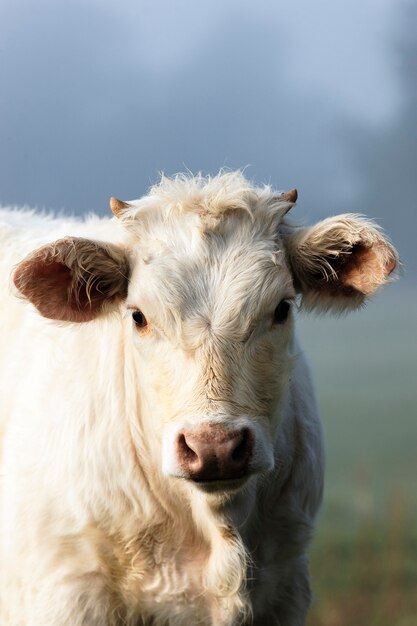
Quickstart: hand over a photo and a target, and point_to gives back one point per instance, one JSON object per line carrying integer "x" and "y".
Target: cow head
{"x": 205, "y": 286}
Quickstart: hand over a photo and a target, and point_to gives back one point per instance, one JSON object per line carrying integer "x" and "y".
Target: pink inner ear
{"x": 366, "y": 268}
{"x": 48, "y": 285}
{"x": 54, "y": 274}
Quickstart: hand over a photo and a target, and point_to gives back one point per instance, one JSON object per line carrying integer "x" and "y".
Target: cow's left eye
{"x": 139, "y": 319}
{"x": 282, "y": 311}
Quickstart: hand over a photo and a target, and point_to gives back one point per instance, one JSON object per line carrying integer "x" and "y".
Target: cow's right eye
{"x": 139, "y": 319}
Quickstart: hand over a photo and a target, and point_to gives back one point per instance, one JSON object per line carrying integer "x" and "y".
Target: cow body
{"x": 104, "y": 518}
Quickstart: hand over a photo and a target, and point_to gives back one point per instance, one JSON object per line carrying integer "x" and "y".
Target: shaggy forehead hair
{"x": 212, "y": 199}
{"x": 211, "y": 237}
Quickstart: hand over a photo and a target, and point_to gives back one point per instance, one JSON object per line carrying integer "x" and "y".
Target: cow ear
{"x": 339, "y": 262}
{"x": 73, "y": 279}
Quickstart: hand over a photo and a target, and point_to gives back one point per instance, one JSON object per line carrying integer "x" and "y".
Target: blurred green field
{"x": 364, "y": 555}
{"x": 368, "y": 578}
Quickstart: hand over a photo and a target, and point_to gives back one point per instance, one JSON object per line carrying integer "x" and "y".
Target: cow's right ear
{"x": 73, "y": 279}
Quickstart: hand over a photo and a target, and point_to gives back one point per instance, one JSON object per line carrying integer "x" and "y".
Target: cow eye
{"x": 281, "y": 312}
{"x": 139, "y": 319}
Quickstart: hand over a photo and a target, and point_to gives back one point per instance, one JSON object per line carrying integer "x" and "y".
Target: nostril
{"x": 242, "y": 450}
{"x": 239, "y": 451}
{"x": 186, "y": 452}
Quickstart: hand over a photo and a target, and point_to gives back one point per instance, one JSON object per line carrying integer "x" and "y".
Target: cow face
{"x": 212, "y": 316}
{"x": 205, "y": 287}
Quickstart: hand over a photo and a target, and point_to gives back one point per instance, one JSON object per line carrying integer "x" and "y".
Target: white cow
{"x": 162, "y": 456}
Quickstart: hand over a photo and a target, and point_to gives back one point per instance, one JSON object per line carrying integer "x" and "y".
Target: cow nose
{"x": 214, "y": 453}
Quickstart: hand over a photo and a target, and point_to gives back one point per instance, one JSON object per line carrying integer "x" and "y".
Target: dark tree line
{"x": 386, "y": 159}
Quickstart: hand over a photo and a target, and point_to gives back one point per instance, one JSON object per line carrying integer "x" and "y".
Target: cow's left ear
{"x": 340, "y": 261}
{"x": 73, "y": 279}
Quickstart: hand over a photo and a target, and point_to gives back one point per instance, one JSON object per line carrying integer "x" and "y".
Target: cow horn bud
{"x": 118, "y": 206}
{"x": 289, "y": 196}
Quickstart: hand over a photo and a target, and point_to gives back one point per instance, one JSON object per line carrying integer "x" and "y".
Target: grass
{"x": 364, "y": 556}
{"x": 368, "y": 579}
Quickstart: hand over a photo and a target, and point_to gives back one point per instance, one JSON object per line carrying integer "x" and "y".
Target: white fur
{"x": 96, "y": 528}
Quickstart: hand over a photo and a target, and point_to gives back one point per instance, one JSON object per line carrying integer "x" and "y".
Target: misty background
{"x": 98, "y": 97}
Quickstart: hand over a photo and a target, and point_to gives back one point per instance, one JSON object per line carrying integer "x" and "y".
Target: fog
{"x": 97, "y": 97}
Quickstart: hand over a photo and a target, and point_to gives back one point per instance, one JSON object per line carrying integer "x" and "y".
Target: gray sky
{"x": 96, "y": 97}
